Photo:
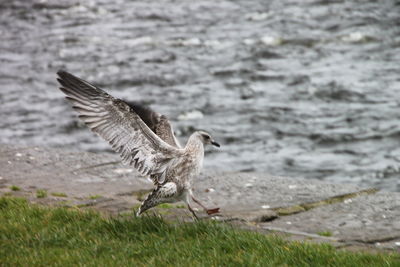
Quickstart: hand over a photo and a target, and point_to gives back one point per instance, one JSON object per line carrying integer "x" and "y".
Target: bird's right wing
{"x": 116, "y": 122}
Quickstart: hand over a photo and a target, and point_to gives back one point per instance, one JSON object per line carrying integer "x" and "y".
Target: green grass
{"x": 165, "y": 206}
{"x": 58, "y": 194}
{"x": 95, "y": 196}
{"x": 41, "y": 193}
{"x": 325, "y": 233}
{"x": 15, "y": 188}
{"x": 31, "y": 235}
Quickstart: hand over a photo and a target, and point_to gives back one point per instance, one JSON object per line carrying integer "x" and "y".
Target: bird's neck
{"x": 194, "y": 144}
{"x": 194, "y": 151}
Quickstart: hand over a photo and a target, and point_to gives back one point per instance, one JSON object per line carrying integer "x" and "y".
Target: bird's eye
{"x": 206, "y": 137}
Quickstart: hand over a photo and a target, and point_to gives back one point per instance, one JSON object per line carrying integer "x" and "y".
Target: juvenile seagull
{"x": 144, "y": 139}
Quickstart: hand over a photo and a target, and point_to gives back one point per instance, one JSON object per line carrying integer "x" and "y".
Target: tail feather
{"x": 161, "y": 194}
{"x": 149, "y": 202}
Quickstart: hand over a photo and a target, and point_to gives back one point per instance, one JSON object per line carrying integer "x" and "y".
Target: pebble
{"x": 265, "y": 206}
{"x": 347, "y": 201}
{"x": 18, "y": 155}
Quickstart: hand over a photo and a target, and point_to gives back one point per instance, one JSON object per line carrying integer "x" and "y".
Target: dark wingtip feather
{"x": 64, "y": 76}
{"x": 75, "y": 85}
{"x": 60, "y": 81}
{"x": 62, "y": 73}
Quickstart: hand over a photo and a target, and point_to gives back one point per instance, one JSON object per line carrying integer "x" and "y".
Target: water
{"x": 296, "y": 88}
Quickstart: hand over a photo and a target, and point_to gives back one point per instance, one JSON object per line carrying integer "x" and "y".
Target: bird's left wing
{"x": 116, "y": 122}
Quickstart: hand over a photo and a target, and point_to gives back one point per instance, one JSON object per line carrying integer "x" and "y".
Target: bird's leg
{"x": 209, "y": 211}
{"x": 192, "y": 211}
{"x": 199, "y": 203}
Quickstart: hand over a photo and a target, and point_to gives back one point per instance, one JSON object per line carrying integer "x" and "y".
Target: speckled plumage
{"x": 143, "y": 138}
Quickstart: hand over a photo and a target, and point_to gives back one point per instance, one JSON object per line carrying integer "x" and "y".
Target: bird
{"x": 144, "y": 139}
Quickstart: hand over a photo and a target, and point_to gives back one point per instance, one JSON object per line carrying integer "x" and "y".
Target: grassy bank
{"x": 33, "y": 235}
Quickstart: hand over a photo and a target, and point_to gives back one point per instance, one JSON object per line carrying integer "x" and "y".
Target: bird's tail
{"x": 161, "y": 194}
{"x": 149, "y": 202}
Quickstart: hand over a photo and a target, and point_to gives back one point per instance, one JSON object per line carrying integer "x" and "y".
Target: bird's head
{"x": 206, "y": 138}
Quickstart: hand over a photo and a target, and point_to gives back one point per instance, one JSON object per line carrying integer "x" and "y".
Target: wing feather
{"x": 158, "y": 123}
{"x": 119, "y": 124}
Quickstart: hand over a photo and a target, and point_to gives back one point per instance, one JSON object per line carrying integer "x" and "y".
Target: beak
{"x": 215, "y": 143}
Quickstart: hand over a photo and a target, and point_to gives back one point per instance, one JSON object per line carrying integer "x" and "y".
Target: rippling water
{"x": 296, "y": 88}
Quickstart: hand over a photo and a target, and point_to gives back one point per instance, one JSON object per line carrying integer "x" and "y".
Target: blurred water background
{"x": 296, "y": 88}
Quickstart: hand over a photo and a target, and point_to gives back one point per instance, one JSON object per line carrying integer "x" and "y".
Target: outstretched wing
{"x": 119, "y": 124}
{"x": 158, "y": 123}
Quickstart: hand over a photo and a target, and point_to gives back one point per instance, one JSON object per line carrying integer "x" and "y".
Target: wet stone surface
{"x": 373, "y": 219}
{"x": 75, "y": 174}
{"x": 253, "y": 191}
